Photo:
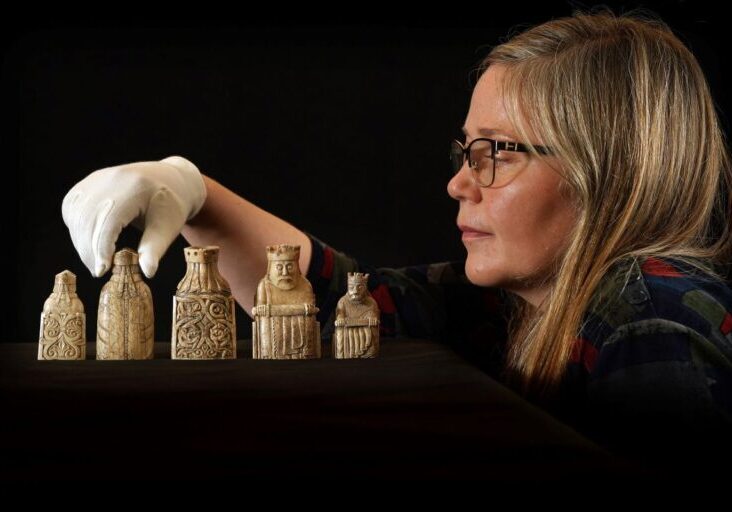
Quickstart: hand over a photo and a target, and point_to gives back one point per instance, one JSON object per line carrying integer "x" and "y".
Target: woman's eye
{"x": 505, "y": 159}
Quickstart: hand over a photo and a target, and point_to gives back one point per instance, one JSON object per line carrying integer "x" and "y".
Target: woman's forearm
{"x": 242, "y": 230}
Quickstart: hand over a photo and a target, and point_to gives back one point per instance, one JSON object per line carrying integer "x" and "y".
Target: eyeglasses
{"x": 482, "y": 155}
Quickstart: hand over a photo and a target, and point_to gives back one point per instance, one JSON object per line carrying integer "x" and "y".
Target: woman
{"x": 594, "y": 207}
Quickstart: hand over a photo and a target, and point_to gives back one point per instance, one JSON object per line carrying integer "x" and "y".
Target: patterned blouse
{"x": 650, "y": 376}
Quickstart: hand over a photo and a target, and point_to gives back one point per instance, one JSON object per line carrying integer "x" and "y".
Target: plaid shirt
{"x": 652, "y": 365}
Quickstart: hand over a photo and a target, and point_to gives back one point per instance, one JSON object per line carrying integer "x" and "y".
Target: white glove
{"x": 156, "y": 197}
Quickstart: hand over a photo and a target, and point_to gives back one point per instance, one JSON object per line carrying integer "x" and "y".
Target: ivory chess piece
{"x": 357, "y": 321}
{"x": 125, "y": 323}
{"x": 204, "y": 323}
{"x": 284, "y": 325}
{"x": 63, "y": 322}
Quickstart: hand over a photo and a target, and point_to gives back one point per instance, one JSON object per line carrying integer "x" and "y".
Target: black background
{"x": 340, "y": 127}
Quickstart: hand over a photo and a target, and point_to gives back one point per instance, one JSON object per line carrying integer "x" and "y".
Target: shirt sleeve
{"x": 430, "y": 301}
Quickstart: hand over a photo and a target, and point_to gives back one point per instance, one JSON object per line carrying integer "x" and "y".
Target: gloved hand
{"x": 156, "y": 197}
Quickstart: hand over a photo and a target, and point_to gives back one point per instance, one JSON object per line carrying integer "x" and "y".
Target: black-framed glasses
{"x": 482, "y": 154}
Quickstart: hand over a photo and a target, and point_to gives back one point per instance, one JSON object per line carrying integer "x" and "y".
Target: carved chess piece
{"x": 357, "y": 321}
{"x": 125, "y": 323}
{"x": 284, "y": 309}
{"x": 204, "y": 323}
{"x": 63, "y": 322}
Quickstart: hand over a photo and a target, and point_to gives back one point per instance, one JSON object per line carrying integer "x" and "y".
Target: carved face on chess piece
{"x": 357, "y": 289}
{"x": 283, "y": 274}
{"x": 283, "y": 269}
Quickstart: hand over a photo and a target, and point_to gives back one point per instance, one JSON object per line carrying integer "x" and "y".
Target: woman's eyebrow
{"x": 488, "y": 131}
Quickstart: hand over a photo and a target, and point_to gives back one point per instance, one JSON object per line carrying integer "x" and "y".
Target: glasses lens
{"x": 456, "y": 156}
{"x": 481, "y": 161}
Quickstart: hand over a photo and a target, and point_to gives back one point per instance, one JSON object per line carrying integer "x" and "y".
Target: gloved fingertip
{"x": 100, "y": 269}
{"x": 148, "y": 265}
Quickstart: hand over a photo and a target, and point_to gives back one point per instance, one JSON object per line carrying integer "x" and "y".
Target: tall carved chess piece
{"x": 63, "y": 322}
{"x": 204, "y": 324}
{"x": 357, "y": 321}
{"x": 284, "y": 309}
{"x": 125, "y": 323}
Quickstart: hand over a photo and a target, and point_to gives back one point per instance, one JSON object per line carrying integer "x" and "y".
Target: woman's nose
{"x": 461, "y": 185}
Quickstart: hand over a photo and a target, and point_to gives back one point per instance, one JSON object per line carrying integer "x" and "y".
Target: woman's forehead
{"x": 487, "y": 115}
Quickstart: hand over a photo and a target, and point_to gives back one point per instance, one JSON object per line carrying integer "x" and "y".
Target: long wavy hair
{"x": 628, "y": 112}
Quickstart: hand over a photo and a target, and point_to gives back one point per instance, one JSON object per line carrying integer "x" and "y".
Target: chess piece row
{"x": 204, "y": 323}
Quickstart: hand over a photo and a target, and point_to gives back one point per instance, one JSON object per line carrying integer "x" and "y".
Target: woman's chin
{"x": 481, "y": 274}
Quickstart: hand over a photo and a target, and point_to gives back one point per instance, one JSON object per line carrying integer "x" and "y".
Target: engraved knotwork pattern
{"x": 204, "y": 327}
{"x": 63, "y": 336}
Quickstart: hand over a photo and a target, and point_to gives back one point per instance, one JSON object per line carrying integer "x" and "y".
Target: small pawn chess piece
{"x": 63, "y": 322}
{"x": 357, "y": 321}
{"x": 284, "y": 309}
{"x": 125, "y": 322}
{"x": 204, "y": 323}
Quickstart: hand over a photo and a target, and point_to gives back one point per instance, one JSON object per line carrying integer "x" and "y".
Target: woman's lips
{"x": 472, "y": 234}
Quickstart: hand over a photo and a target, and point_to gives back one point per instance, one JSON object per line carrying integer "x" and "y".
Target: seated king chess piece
{"x": 284, "y": 309}
{"x": 357, "y": 321}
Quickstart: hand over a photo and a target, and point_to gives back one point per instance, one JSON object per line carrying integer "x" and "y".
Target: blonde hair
{"x": 628, "y": 112}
